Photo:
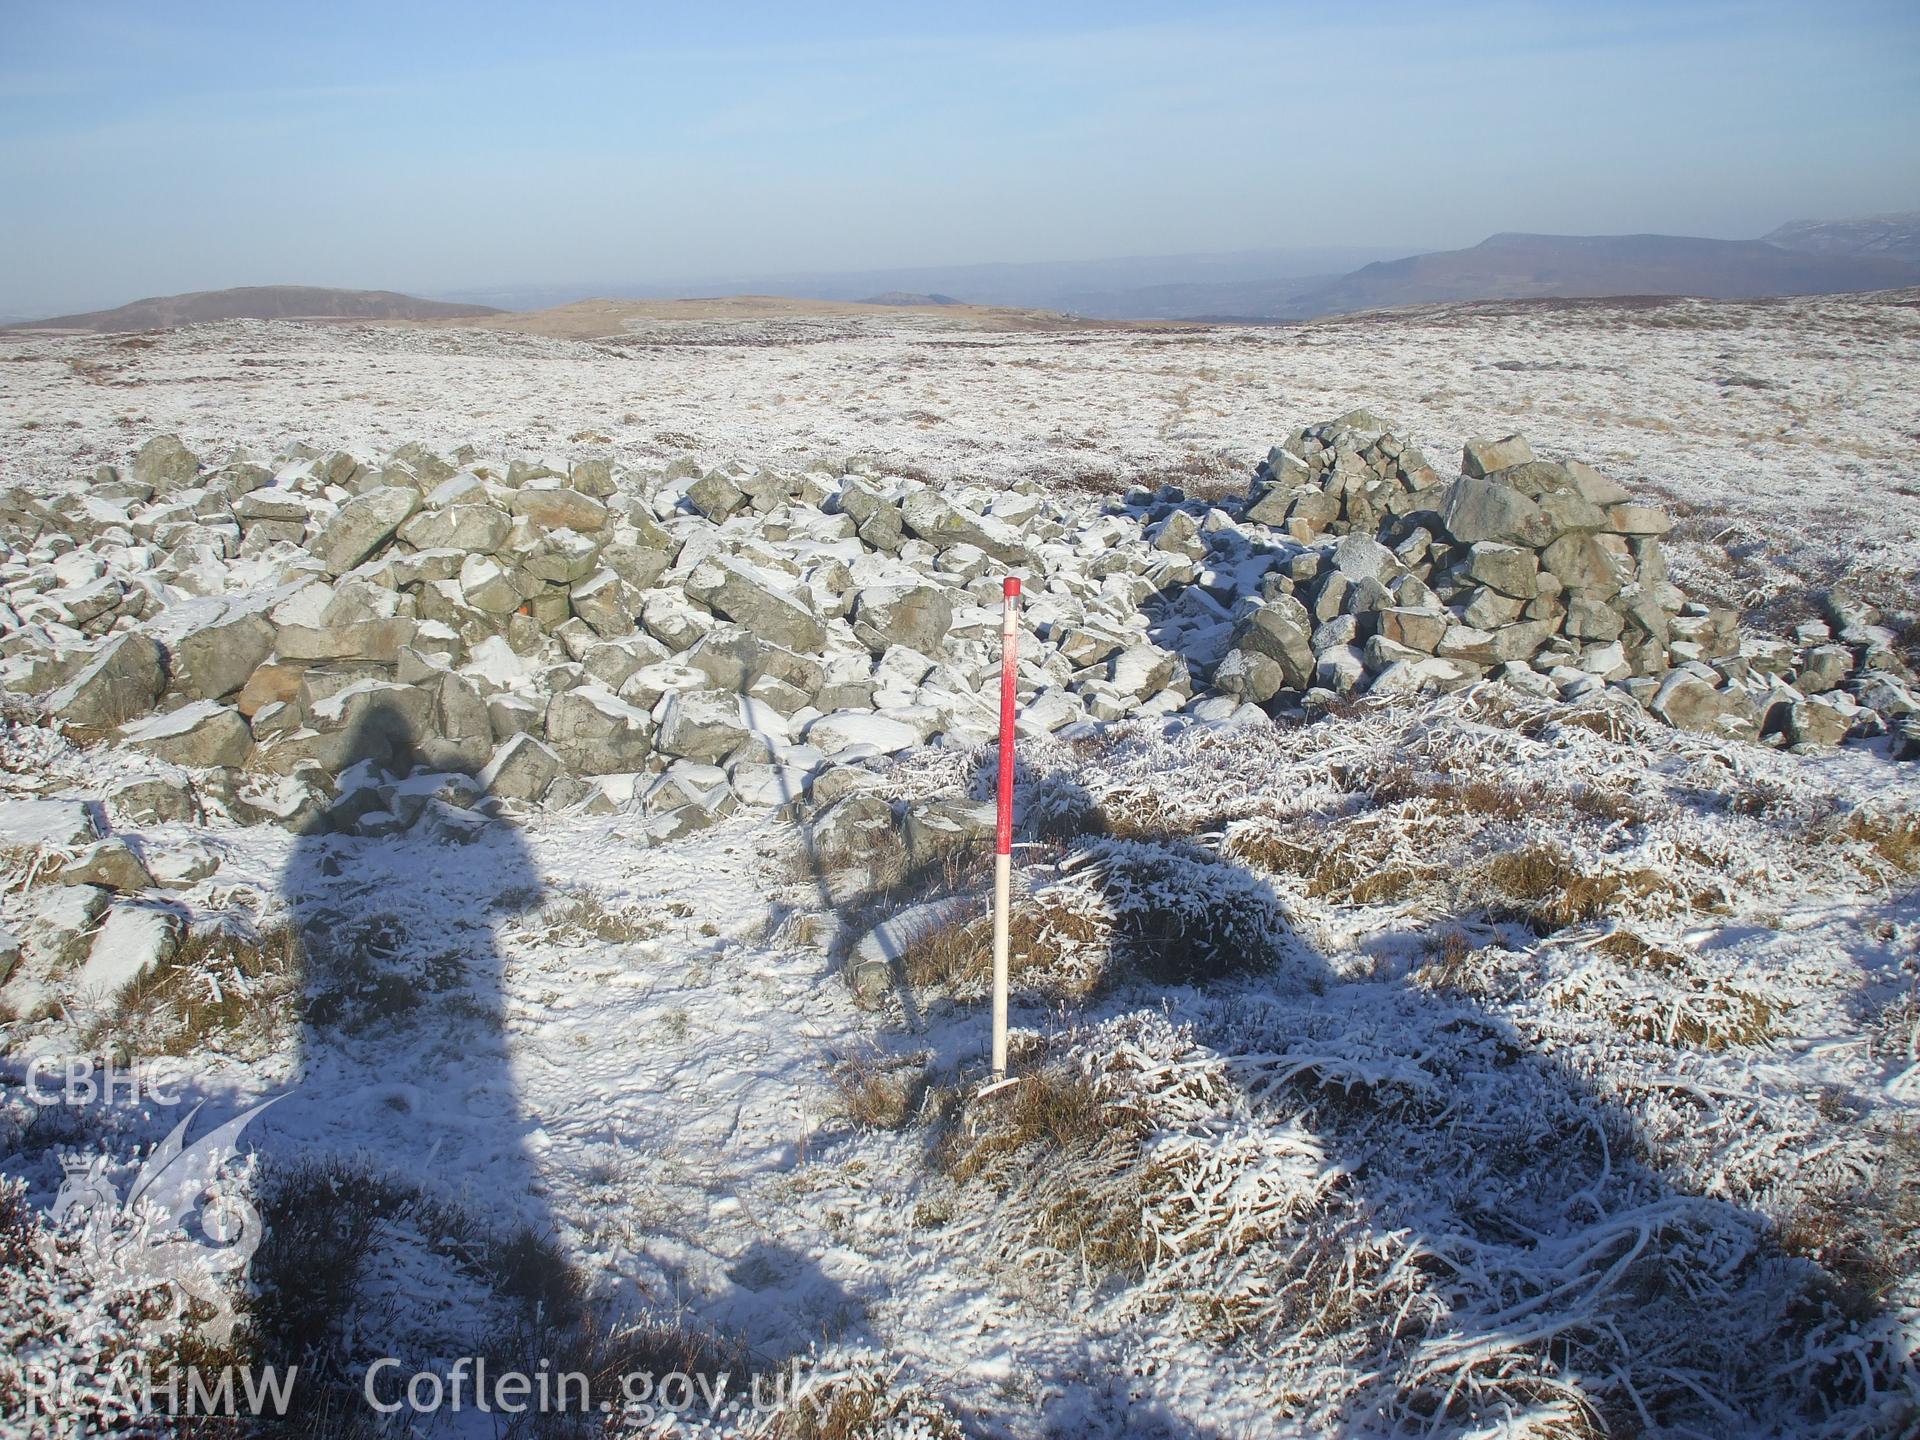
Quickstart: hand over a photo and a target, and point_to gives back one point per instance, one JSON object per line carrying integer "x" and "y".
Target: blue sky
{"x": 151, "y": 148}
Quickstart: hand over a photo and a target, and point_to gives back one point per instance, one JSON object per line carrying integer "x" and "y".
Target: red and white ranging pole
{"x": 1003, "y": 839}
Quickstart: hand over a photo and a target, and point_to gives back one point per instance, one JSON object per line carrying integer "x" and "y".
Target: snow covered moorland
{"x": 1466, "y": 944}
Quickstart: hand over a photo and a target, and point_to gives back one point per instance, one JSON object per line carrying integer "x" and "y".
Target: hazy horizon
{"x": 456, "y": 150}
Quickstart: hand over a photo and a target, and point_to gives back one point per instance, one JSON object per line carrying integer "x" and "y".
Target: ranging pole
{"x": 1003, "y": 840}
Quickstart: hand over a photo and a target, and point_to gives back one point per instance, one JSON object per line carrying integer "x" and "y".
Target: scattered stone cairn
{"x": 1548, "y": 577}
{"x": 320, "y": 641}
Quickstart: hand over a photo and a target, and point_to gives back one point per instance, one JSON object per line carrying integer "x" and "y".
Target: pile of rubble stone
{"x": 288, "y": 639}
{"x": 1546, "y": 576}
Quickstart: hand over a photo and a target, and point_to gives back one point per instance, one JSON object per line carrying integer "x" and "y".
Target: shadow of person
{"x": 1498, "y": 1238}
{"x": 404, "y": 1118}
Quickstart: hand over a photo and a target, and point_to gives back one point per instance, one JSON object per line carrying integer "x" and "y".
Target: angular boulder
{"x": 1686, "y": 701}
{"x": 594, "y": 732}
{"x": 917, "y": 616}
{"x": 212, "y": 661}
{"x": 475, "y": 529}
{"x": 523, "y": 768}
{"x": 124, "y": 679}
{"x": 197, "y": 736}
{"x": 606, "y": 602}
{"x": 703, "y": 725}
{"x": 109, "y": 864}
{"x": 1481, "y": 509}
{"x": 751, "y": 598}
{"x": 362, "y": 526}
{"x": 941, "y": 523}
{"x": 1481, "y": 458}
{"x": 166, "y": 464}
{"x": 555, "y": 507}
{"x": 846, "y": 731}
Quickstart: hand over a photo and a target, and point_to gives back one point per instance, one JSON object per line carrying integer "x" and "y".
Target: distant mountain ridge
{"x": 908, "y": 297}
{"x": 258, "y": 302}
{"x": 1803, "y": 257}
{"x": 1522, "y": 267}
{"x": 1896, "y": 236}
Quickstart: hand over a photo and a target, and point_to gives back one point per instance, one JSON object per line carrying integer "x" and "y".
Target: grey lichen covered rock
{"x": 363, "y": 525}
{"x": 213, "y": 660}
{"x": 197, "y": 736}
{"x": 521, "y": 769}
{"x": 594, "y": 732}
{"x": 165, "y": 464}
{"x": 110, "y": 864}
{"x": 124, "y": 679}
{"x": 918, "y": 616}
{"x": 702, "y": 725}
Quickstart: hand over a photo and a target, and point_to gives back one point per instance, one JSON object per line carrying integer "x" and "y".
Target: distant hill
{"x": 747, "y": 316}
{"x": 1895, "y": 236}
{"x": 1521, "y": 267}
{"x": 1804, "y": 257}
{"x": 259, "y": 302}
{"x": 907, "y": 297}
{"x": 1123, "y": 288}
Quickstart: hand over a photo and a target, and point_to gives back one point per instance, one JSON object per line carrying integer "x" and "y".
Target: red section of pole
{"x": 1009, "y": 646}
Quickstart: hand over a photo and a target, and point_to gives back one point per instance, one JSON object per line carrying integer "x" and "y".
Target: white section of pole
{"x": 1003, "y": 828}
{"x": 1002, "y": 903}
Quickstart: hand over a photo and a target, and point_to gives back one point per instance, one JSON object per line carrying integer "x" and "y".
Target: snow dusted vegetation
{"x": 1486, "y": 1058}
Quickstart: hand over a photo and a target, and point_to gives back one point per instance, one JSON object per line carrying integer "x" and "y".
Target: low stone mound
{"x": 1547, "y": 576}
{"x": 292, "y": 638}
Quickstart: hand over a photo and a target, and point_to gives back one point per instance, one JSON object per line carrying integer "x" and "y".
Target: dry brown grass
{"x": 223, "y": 989}
{"x": 1894, "y": 837}
{"x": 1204, "y": 476}
{"x": 1048, "y": 1107}
{"x": 1166, "y": 913}
{"x": 1446, "y": 963}
{"x": 949, "y": 953}
{"x": 17, "y": 1228}
{"x": 1056, "y": 1135}
{"x": 1611, "y": 806}
{"x": 1363, "y": 860}
{"x": 1609, "y": 722}
{"x": 1481, "y": 795}
{"x": 882, "y": 1092}
{"x": 582, "y": 912}
{"x": 24, "y": 868}
{"x": 1865, "y": 1238}
{"x": 863, "y": 1405}
{"x": 1762, "y": 799}
{"x": 1499, "y": 706}
{"x": 1139, "y": 812}
{"x": 1549, "y": 890}
{"x": 1043, "y": 933}
{"x": 1702, "y": 1013}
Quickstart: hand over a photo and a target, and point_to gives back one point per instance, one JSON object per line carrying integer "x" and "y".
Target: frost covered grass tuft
{"x": 1110, "y": 912}
{"x": 1060, "y": 1147}
{"x": 865, "y": 1400}
{"x": 1894, "y": 838}
{"x": 1865, "y": 1236}
{"x": 881, "y": 1092}
{"x": 585, "y": 912}
{"x": 224, "y": 991}
{"x": 370, "y": 968}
